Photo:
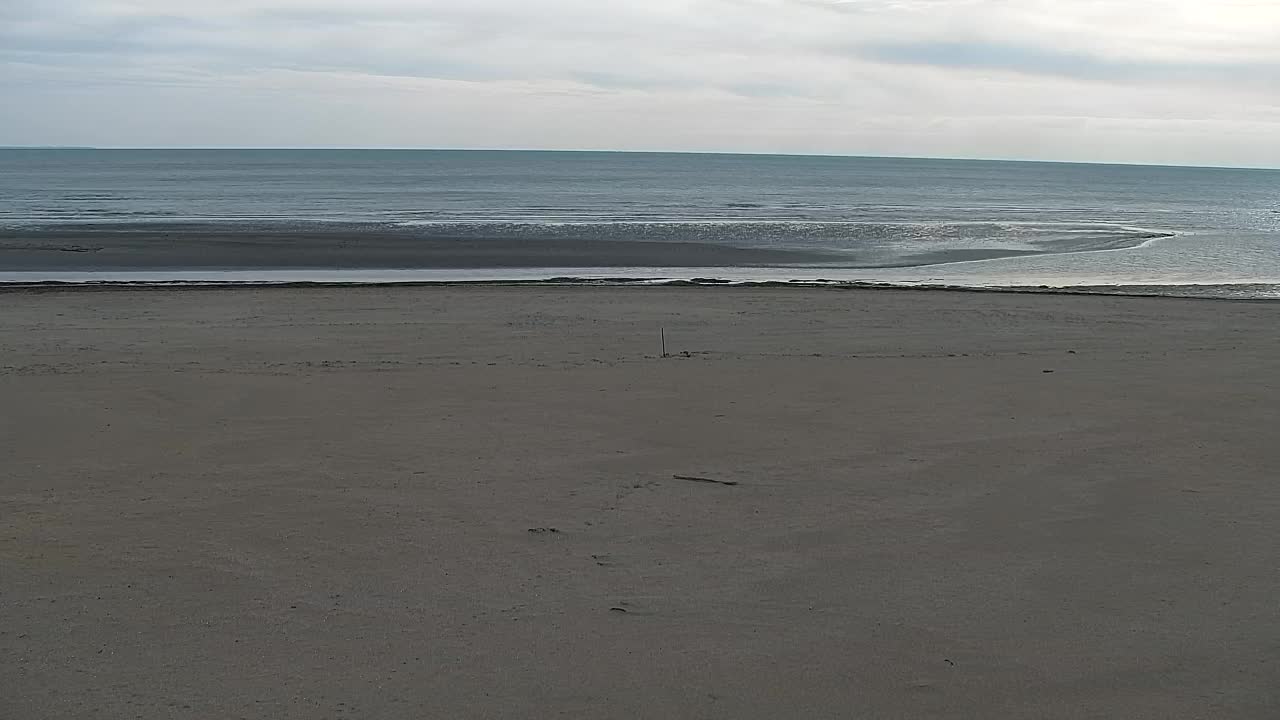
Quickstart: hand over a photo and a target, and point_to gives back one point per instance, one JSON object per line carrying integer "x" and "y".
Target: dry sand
{"x": 315, "y": 503}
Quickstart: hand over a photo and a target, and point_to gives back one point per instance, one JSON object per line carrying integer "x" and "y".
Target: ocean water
{"x": 489, "y": 215}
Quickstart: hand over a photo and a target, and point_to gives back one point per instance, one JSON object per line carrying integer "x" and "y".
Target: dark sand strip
{"x": 142, "y": 247}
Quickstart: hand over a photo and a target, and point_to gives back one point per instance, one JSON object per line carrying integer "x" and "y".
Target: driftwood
{"x": 705, "y": 480}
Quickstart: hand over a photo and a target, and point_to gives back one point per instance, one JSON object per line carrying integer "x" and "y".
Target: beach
{"x": 462, "y": 502}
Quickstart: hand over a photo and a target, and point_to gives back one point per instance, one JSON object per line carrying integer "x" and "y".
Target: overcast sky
{"x": 1163, "y": 81}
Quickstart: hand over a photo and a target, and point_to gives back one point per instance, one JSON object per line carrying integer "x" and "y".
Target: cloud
{"x": 1072, "y": 79}
{"x": 1032, "y": 60}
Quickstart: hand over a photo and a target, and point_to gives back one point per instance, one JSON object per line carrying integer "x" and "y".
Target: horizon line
{"x": 340, "y": 148}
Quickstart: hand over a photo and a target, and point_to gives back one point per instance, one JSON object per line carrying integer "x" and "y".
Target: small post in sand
{"x": 663, "y": 332}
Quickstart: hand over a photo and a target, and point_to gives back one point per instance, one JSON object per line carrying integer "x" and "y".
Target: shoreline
{"x": 1173, "y": 291}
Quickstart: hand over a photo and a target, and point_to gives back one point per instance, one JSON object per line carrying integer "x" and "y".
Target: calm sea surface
{"x": 896, "y": 220}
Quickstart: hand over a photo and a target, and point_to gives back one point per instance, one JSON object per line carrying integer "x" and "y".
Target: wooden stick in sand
{"x": 704, "y": 480}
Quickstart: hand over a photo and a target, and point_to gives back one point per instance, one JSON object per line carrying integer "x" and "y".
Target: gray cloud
{"x": 1141, "y": 80}
{"x": 1065, "y": 63}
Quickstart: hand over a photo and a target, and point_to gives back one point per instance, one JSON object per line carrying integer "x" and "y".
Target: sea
{"x": 369, "y": 216}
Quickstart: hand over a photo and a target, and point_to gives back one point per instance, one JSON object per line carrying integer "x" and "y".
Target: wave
{"x": 857, "y": 244}
{"x": 1240, "y": 291}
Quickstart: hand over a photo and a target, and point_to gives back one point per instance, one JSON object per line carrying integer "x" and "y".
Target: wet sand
{"x": 342, "y": 246}
{"x": 460, "y": 502}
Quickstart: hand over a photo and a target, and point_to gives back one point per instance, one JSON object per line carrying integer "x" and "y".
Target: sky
{"x": 1148, "y": 81}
